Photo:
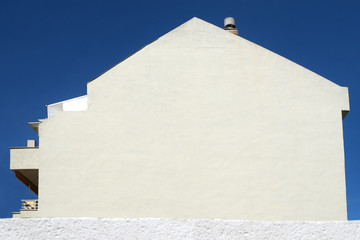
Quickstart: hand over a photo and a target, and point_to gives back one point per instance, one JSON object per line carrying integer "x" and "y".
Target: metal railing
{"x": 31, "y": 205}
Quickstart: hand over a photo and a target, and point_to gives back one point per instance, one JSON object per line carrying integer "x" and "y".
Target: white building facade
{"x": 200, "y": 123}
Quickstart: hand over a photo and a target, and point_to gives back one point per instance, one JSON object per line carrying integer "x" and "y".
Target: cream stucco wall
{"x": 199, "y": 124}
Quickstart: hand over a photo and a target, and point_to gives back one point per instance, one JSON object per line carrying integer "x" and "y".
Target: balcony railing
{"x": 29, "y": 205}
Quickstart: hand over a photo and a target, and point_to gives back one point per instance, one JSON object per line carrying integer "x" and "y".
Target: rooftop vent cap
{"x": 229, "y": 23}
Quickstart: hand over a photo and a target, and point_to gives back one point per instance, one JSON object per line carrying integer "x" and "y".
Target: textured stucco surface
{"x": 92, "y": 228}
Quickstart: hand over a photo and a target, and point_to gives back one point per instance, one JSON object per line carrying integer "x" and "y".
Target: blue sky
{"x": 50, "y": 49}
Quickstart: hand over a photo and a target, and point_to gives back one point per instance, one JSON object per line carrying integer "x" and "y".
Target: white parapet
{"x": 107, "y": 228}
{"x": 74, "y": 104}
{"x": 24, "y": 158}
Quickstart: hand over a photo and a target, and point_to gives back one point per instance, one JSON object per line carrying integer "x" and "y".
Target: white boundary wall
{"x": 106, "y": 228}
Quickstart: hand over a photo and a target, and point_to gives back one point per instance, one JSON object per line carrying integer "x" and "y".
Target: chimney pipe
{"x": 229, "y": 25}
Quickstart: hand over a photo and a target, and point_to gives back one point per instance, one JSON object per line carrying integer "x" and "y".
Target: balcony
{"x": 24, "y": 162}
{"x": 28, "y": 209}
{"x": 24, "y": 158}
